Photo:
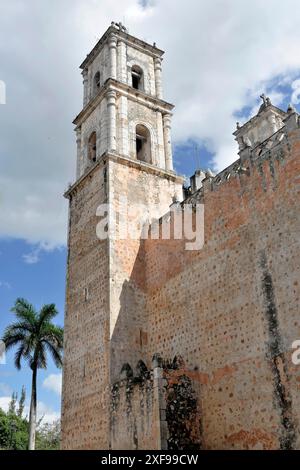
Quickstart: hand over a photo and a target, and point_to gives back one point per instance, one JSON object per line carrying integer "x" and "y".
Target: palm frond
{"x": 34, "y": 335}
{"x": 55, "y": 352}
{"x": 53, "y": 334}
{"x": 11, "y": 338}
{"x": 22, "y": 327}
{"x": 40, "y": 356}
{"x": 24, "y": 310}
{"x": 22, "y": 352}
{"x": 47, "y": 313}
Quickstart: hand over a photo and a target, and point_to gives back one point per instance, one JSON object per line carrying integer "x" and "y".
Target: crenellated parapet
{"x": 273, "y": 149}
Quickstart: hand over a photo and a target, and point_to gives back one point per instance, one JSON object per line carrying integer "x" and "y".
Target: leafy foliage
{"x": 22, "y": 402}
{"x": 48, "y": 436}
{"x": 14, "y": 430}
{"x": 12, "y": 404}
{"x": 13, "y": 427}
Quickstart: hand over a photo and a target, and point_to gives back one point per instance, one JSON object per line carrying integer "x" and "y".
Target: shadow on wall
{"x": 155, "y": 403}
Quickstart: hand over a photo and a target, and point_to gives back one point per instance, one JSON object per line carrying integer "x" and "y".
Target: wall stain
{"x": 182, "y": 414}
{"x": 276, "y": 358}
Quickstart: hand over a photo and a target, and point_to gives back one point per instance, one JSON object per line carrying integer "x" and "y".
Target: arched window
{"x": 96, "y": 84}
{"x": 92, "y": 147}
{"x": 137, "y": 77}
{"x": 143, "y": 144}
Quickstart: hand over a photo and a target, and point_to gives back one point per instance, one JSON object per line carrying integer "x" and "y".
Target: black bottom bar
{"x": 134, "y": 459}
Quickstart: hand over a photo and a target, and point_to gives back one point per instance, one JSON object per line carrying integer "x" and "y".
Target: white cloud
{"x": 44, "y": 411}
{"x": 53, "y": 382}
{"x": 5, "y": 284}
{"x": 220, "y": 56}
{"x": 4, "y": 402}
{"x": 47, "y": 413}
{"x": 33, "y": 256}
{"x": 295, "y": 99}
{"x": 5, "y": 389}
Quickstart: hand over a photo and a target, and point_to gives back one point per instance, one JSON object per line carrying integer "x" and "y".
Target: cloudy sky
{"x": 220, "y": 56}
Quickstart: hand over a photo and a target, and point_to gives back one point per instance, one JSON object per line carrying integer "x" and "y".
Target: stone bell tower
{"x": 123, "y": 107}
{"x": 123, "y": 153}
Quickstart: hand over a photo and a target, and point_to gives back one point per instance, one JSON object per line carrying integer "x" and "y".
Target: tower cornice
{"x": 133, "y": 41}
{"x": 130, "y": 162}
{"x": 123, "y": 89}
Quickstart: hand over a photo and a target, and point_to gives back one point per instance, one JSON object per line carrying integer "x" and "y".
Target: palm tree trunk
{"x": 32, "y": 414}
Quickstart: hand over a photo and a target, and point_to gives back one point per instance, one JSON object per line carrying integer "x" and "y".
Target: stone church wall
{"x": 156, "y": 408}
{"x": 153, "y": 191}
{"x": 231, "y": 310}
{"x": 225, "y": 315}
{"x": 85, "y": 404}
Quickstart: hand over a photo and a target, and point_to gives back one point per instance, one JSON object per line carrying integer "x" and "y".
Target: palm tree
{"x": 35, "y": 335}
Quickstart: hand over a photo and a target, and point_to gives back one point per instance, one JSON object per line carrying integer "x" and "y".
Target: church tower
{"x": 123, "y": 107}
{"x": 124, "y": 160}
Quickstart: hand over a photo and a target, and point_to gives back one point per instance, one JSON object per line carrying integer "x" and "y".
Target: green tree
{"x": 4, "y": 430}
{"x": 48, "y": 436}
{"x": 13, "y": 431}
{"x": 21, "y": 402}
{"x": 34, "y": 335}
{"x": 12, "y": 403}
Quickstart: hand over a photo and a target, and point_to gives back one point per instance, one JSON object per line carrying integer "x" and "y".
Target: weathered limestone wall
{"x": 135, "y": 412}
{"x": 144, "y": 188}
{"x": 152, "y": 119}
{"x": 146, "y": 63}
{"x": 231, "y": 310}
{"x": 126, "y": 56}
{"x": 129, "y": 114}
{"x": 113, "y": 110}
{"x": 101, "y": 64}
{"x": 105, "y": 306}
{"x": 227, "y": 313}
{"x": 85, "y": 406}
{"x": 180, "y": 407}
{"x": 96, "y": 122}
{"x": 156, "y": 408}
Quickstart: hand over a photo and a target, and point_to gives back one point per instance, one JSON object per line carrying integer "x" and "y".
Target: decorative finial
{"x": 121, "y": 26}
{"x": 238, "y": 125}
{"x": 266, "y": 100}
{"x": 209, "y": 173}
{"x": 263, "y": 97}
{"x": 154, "y": 44}
{"x": 291, "y": 109}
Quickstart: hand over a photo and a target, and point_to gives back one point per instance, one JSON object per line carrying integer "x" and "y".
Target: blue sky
{"x": 41, "y": 282}
{"x": 220, "y": 56}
